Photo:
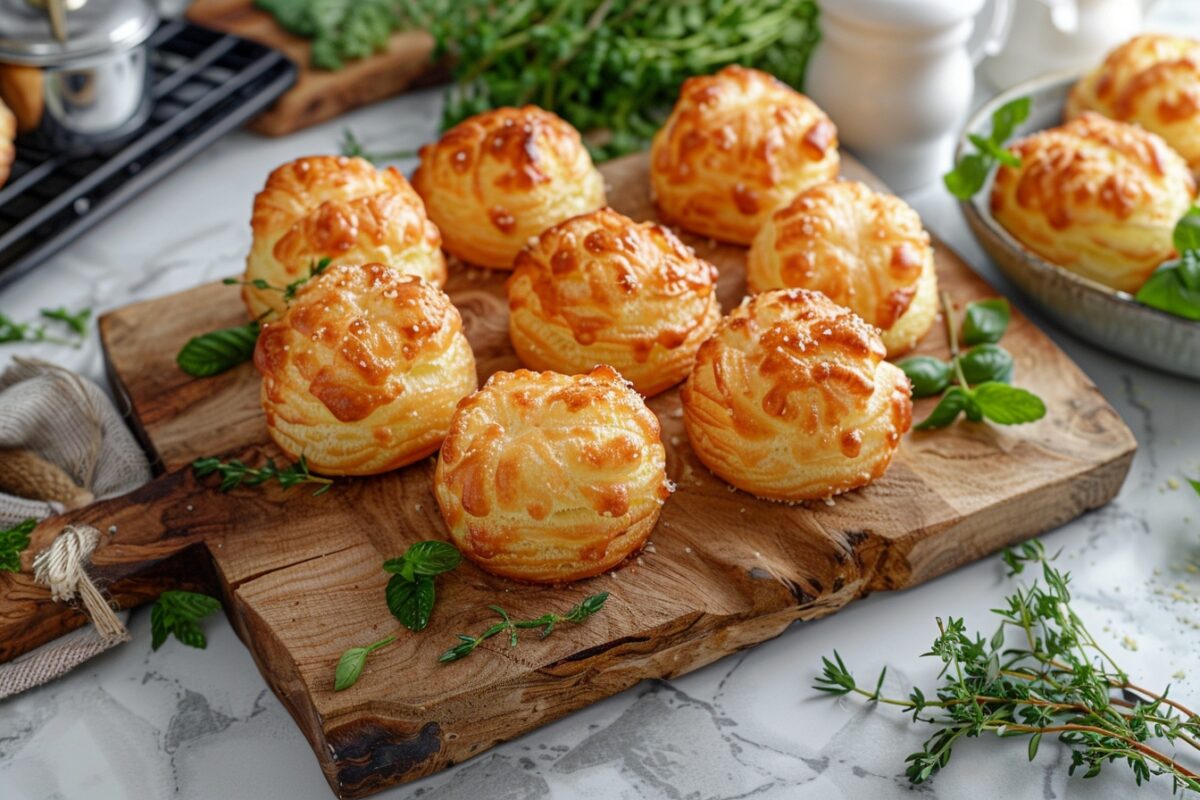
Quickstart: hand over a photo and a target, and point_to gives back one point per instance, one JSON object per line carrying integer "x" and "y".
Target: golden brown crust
{"x": 1153, "y": 80}
{"x": 8, "y": 132}
{"x": 551, "y": 478}
{"x": 791, "y": 399}
{"x": 1098, "y": 197}
{"x": 498, "y": 178}
{"x": 363, "y": 372}
{"x": 339, "y": 208}
{"x": 738, "y": 145}
{"x": 863, "y": 250}
{"x": 602, "y": 289}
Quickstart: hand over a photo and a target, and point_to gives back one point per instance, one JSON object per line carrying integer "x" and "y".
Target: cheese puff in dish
{"x": 864, "y": 250}
{"x": 1098, "y": 197}
{"x": 339, "y": 208}
{"x": 791, "y": 399}
{"x": 8, "y": 132}
{"x": 738, "y": 145}
{"x": 551, "y": 478}
{"x": 498, "y": 178}
{"x": 603, "y": 289}
{"x": 1153, "y": 80}
{"x": 364, "y": 371}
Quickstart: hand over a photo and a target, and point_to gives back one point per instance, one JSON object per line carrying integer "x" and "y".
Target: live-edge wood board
{"x": 301, "y": 580}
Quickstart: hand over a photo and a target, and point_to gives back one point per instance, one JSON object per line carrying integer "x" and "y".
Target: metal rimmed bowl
{"x": 1094, "y": 312}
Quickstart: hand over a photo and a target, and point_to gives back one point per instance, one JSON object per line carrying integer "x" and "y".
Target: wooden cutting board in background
{"x": 319, "y": 94}
{"x": 300, "y": 576}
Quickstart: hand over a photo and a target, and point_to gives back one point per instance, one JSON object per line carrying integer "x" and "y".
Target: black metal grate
{"x": 206, "y": 83}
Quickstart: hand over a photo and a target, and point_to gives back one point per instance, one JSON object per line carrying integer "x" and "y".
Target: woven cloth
{"x": 70, "y": 423}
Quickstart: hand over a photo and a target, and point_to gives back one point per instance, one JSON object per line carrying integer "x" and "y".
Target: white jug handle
{"x": 991, "y": 29}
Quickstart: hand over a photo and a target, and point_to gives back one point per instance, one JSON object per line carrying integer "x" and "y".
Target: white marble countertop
{"x": 139, "y": 724}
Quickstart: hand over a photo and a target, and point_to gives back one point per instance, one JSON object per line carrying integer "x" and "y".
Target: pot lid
{"x": 90, "y": 27}
{"x": 903, "y": 14}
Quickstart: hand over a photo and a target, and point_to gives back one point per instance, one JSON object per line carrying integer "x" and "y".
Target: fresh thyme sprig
{"x": 178, "y": 613}
{"x": 971, "y": 171}
{"x": 351, "y": 146}
{"x": 546, "y": 622}
{"x": 980, "y": 376}
{"x": 12, "y": 331}
{"x": 315, "y": 268}
{"x": 236, "y": 473}
{"x": 1055, "y": 679}
{"x": 13, "y": 542}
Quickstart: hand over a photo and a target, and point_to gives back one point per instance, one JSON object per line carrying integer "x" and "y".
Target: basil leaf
{"x": 1166, "y": 291}
{"x": 971, "y": 409}
{"x": 432, "y": 557}
{"x": 986, "y": 362}
{"x": 967, "y": 177}
{"x": 218, "y": 351}
{"x": 1008, "y": 405}
{"x": 928, "y": 375}
{"x": 1189, "y": 270}
{"x": 1007, "y": 117}
{"x": 1186, "y": 235}
{"x": 411, "y": 602}
{"x": 178, "y": 613}
{"x": 349, "y": 667}
{"x": 13, "y": 541}
{"x": 946, "y": 411}
{"x": 986, "y": 321}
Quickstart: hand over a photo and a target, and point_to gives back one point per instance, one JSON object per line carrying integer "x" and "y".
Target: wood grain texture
{"x": 318, "y": 94}
{"x": 301, "y": 577}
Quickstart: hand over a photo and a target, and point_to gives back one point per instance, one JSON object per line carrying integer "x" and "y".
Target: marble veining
{"x": 135, "y": 724}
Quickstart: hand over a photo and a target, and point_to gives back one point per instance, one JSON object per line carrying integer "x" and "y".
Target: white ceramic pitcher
{"x": 1053, "y": 35}
{"x": 897, "y": 77}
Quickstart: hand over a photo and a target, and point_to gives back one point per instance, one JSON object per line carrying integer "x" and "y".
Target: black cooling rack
{"x": 206, "y": 83}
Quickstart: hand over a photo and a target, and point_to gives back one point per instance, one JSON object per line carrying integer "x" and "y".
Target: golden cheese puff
{"x": 364, "y": 371}
{"x": 737, "y": 146}
{"x": 602, "y": 289}
{"x": 1098, "y": 197}
{"x": 1152, "y": 80}
{"x": 863, "y": 250}
{"x": 498, "y": 178}
{"x": 339, "y": 208}
{"x": 8, "y": 132}
{"x": 551, "y": 478}
{"x": 791, "y": 399}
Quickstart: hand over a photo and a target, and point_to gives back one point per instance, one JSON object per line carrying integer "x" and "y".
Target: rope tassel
{"x": 60, "y": 567}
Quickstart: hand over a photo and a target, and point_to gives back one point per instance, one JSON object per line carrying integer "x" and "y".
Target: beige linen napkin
{"x": 61, "y": 438}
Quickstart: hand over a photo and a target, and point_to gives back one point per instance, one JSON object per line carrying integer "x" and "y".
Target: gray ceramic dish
{"x": 1105, "y": 317}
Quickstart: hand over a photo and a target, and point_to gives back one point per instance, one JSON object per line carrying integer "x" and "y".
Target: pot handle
{"x": 991, "y": 29}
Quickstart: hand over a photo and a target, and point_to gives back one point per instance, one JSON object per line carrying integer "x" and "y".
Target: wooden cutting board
{"x": 320, "y": 94}
{"x": 301, "y": 580}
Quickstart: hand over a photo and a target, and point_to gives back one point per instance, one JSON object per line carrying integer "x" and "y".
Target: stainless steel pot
{"x": 75, "y": 72}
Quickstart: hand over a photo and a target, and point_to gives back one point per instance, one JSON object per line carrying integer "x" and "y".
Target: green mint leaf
{"x": 1007, "y": 117}
{"x": 1167, "y": 291}
{"x": 432, "y": 557}
{"x": 218, "y": 351}
{"x": 986, "y": 362}
{"x": 411, "y": 601}
{"x": 968, "y": 176}
{"x": 14, "y": 541}
{"x": 953, "y": 402}
{"x": 178, "y": 613}
{"x": 985, "y": 321}
{"x": 78, "y": 322}
{"x": 1186, "y": 235}
{"x": 1008, "y": 405}
{"x": 1189, "y": 270}
{"x": 350, "y": 665}
{"x": 928, "y": 375}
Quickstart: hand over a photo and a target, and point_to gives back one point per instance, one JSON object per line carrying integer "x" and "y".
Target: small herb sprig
{"x": 1175, "y": 286}
{"x": 971, "y": 171}
{"x": 218, "y": 351}
{"x": 546, "y": 622}
{"x": 410, "y": 591}
{"x": 13, "y": 542}
{"x": 236, "y": 473}
{"x": 178, "y": 613}
{"x": 350, "y": 146}
{"x": 12, "y": 332}
{"x": 1054, "y": 680}
{"x": 350, "y": 665}
{"x": 974, "y": 383}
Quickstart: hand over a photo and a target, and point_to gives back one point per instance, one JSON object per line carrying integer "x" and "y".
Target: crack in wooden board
{"x": 300, "y": 575}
